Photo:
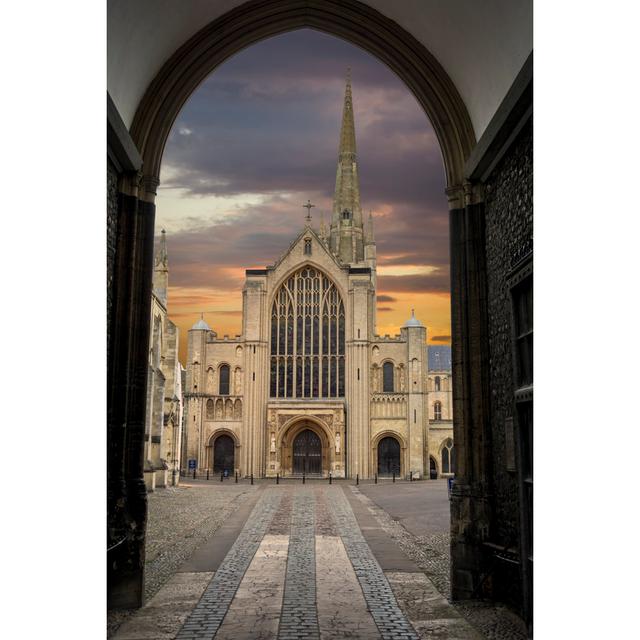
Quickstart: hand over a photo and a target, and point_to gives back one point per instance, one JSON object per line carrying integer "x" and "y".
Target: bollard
{"x": 329, "y": 477}
{"x": 394, "y": 476}
{"x": 357, "y": 478}
{"x": 194, "y": 474}
{"x": 252, "y": 478}
{"x": 303, "y": 478}
{"x": 277, "y": 478}
{"x": 221, "y": 476}
{"x": 376, "y": 479}
{"x": 207, "y": 474}
{"x": 236, "y": 477}
{"x": 410, "y": 476}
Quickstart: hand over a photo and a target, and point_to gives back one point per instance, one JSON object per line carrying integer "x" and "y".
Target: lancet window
{"x": 307, "y": 338}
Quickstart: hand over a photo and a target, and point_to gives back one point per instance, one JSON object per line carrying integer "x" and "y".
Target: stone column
{"x": 471, "y": 495}
{"x": 126, "y": 392}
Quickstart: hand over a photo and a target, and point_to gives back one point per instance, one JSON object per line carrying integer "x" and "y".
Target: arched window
{"x": 448, "y": 465}
{"x": 224, "y": 380}
{"x": 307, "y": 338}
{"x": 436, "y": 383}
{"x": 437, "y": 410}
{"x": 387, "y": 377}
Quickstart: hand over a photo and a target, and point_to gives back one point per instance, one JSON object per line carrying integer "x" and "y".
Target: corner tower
{"x": 347, "y": 237}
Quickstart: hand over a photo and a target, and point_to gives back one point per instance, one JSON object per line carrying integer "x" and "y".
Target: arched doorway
{"x": 223, "y": 454}
{"x": 388, "y": 457}
{"x": 307, "y": 453}
{"x": 433, "y": 468}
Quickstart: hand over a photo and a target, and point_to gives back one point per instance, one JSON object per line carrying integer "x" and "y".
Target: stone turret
{"x": 161, "y": 271}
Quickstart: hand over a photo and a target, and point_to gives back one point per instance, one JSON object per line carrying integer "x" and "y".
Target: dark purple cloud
{"x": 267, "y": 122}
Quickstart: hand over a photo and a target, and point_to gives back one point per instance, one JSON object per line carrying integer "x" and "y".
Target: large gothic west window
{"x": 307, "y": 338}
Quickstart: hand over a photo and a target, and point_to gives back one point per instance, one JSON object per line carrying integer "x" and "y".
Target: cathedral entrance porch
{"x": 306, "y": 439}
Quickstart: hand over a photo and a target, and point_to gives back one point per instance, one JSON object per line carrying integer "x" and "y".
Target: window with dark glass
{"x": 447, "y": 456}
{"x": 307, "y": 338}
{"x": 224, "y": 380}
{"x": 437, "y": 410}
{"x": 436, "y": 383}
{"x": 387, "y": 377}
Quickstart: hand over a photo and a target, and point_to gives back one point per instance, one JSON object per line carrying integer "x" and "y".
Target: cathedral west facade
{"x": 309, "y": 387}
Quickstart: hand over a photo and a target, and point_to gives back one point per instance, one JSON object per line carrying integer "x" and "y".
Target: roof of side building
{"x": 439, "y": 357}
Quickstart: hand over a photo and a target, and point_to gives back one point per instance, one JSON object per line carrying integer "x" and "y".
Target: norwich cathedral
{"x": 309, "y": 388}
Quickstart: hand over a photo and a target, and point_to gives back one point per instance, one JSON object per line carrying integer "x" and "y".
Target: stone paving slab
{"x": 254, "y": 613}
{"x": 162, "y": 617}
{"x": 342, "y": 609}
{"x": 429, "y": 611}
{"x": 206, "y": 618}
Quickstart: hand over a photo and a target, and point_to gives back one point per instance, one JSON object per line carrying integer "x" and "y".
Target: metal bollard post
{"x": 410, "y": 476}
{"x": 194, "y": 474}
{"x": 277, "y": 478}
{"x": 252, "y": 478}
{"x": 357, "y": 478}
{"x": 207, "y": 474}
{"x": 376, "y": 479}
{"x": 303, "y": 477}
{"x": 329, "y": 477}
{"x": 221, "y": 476}
{"x": 236, "y": 477}
{"x": 394, "y": 476}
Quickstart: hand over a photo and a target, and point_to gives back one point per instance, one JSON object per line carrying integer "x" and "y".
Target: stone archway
{"x": 306, "y": 446}
{"x": 393, "y": 459}
{"x": 132, "y": 271}
{"x": 258, "y": 20}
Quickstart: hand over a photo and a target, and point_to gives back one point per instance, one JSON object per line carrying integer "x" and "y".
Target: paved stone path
{"x": 299, "y": 567}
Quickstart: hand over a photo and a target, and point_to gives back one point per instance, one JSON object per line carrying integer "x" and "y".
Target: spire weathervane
{"x": 308, "y": 207}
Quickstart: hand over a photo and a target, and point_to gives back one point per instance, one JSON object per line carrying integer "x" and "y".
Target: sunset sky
{"x": 260, "y": 137}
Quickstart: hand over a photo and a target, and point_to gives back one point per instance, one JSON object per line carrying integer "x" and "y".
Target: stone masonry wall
{"x": 509, "y": 228}
{"x": 112, "y": 229}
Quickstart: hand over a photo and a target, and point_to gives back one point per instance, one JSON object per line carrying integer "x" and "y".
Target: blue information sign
{"x": 449, "y": 484}
{"x": 192, "y": 463}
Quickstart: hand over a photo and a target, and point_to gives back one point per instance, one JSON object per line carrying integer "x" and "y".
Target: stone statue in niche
{"x": 338, "y": 442}
{"x": 273, "y": 442}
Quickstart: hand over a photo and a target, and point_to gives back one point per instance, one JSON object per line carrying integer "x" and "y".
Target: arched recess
{"x": 288, "y": 435}
{"x": 388, "y": 433}
{"x": 257, "y": 20}
{"x": 210, "y": 448}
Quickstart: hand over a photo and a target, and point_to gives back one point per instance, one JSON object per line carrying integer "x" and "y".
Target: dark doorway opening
{"x": 388, "y": 457}
{"x": 307, "y": 453}
{"x": 223, "y": 454}
{"x": 433, "y": 469}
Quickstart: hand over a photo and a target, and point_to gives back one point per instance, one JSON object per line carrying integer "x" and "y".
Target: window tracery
{"x": 307, "y": 338}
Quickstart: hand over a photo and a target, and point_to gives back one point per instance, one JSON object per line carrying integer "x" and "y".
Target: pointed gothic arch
{"x": 257, "y": 20}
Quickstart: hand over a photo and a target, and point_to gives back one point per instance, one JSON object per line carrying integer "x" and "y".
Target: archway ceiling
{"x": 481, "y": 45}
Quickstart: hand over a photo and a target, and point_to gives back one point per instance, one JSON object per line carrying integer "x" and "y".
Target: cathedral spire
{"x": 347, "y": 240}
{"x": 348, "y": 128}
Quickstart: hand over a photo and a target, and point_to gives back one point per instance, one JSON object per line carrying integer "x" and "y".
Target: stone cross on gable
{"x": 308, "y": 207}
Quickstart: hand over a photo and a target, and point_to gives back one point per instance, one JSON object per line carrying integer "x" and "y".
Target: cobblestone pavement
{"x": 302, "y": 567}
{"x": 179, "y": 520}
{"x": 432, "y": 554}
